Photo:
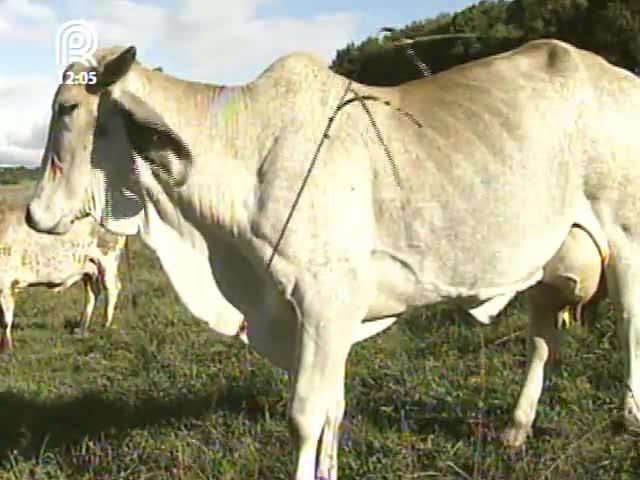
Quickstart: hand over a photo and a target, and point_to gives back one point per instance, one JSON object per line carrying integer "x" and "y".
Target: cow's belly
{"x": 484, "y": 280}
{"x": 483, "y": 288}
{"x": 52, "y": 281}
{"x": 60, "y": 275}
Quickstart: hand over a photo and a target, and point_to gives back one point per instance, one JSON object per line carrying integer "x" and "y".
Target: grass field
{"x": 158, "y": 397}
{"x": 19, "y": 192}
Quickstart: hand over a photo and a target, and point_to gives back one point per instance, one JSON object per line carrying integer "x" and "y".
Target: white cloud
{"x": 25, "y": 9}
{"x": 24, "y": 110}
{"x": 26, "y": 21}
{"x": 234, "y": 43}
{"x": 33, "y": 139}
{"x": 240, "y": 52}
{"x": 123, "y": 22}
{"x": 224, "y": 42}
{"x": 215, "y": 14}
{"x": 212, "y": 40}
{"x": 215, "y": 37}
{"x": 26, "y": 157}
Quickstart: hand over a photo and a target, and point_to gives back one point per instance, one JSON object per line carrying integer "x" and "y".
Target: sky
{"x": 224, "y": 42}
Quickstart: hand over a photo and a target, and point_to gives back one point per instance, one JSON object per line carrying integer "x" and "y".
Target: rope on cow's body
{"x": 341, "y": 104}
{"x": 325, "y": 136}
{"x": 306, "y": 177}
{"x": 406, "y": 43}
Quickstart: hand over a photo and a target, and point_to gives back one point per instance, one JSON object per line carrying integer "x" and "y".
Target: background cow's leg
{"x": 324, "y": 340}
{"x": 112, "y": 288}
{"x": 328, "y": 458}
{"x": 623, "y": 281}
{"x": 91, "y": 293}
{"x": 544, "y": 343}
{"x": 7, "y": 303}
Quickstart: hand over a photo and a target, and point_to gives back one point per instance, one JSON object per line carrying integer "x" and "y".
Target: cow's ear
{"x": 154, "y": 140}
{"x": 113, "y": 69}
{"x": 117, "y": 67}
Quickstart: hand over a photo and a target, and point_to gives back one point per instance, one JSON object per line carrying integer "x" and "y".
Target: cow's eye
{"x": 66, "y": 109}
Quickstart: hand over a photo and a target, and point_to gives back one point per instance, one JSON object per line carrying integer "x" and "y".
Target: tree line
{"x": 18, "y": 175}
{"x": 608, "y": 28}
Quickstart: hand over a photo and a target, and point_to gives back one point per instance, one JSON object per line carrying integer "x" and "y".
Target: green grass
{"x": 11, "y": 176}
{"x": 20, "y": 192}
{"x": 158, "y": 397}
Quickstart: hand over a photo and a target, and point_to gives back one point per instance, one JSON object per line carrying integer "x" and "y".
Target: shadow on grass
{"x": 64, "y": 422}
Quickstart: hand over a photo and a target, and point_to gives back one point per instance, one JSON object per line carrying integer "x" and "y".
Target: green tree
{"x": 608, "y": 28}
{"x": 17, "y": 175}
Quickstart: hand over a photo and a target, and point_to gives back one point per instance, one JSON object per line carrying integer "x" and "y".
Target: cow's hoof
{"x": 324, "y": 476}
{"x": 514, "y": 437}
{"x": 6, "y": 345}
{"x": 632, "y": 413}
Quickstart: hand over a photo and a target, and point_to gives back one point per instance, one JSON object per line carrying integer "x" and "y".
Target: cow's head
{"x": 96, "y": 133}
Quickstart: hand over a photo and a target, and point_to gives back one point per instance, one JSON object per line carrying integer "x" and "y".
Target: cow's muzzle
{"x": 35, "y": 221}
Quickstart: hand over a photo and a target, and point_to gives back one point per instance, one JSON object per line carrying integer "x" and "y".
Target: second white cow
{"x": 87, "y": 252}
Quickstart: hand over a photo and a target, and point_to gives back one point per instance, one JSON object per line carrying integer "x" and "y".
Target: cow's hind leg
{"x": 112, "y": 288}
{"x": 623, "y": 281}
{"x": 91, "y": 293}
{"x": 571, "y": 278}
{"x": 544, "y": 343}
{"x": 7, "y": 303}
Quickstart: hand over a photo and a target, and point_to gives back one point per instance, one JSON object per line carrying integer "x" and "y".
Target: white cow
{"x": 570, "y": 280}
{"x": 87, "y": 252}
{"x": 496, "y": 161}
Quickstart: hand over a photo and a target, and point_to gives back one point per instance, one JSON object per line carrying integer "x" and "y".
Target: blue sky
{"x": 210, "y": 40}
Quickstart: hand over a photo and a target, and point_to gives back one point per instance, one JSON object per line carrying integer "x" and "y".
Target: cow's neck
{"x": 229, "y": 131}
{"x": 220, "y": 200}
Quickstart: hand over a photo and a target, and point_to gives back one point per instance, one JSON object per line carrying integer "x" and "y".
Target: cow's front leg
{"x": 7, "y": 303}
{"x": 325, "y": 335}
{"x": 328, "y": 458}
